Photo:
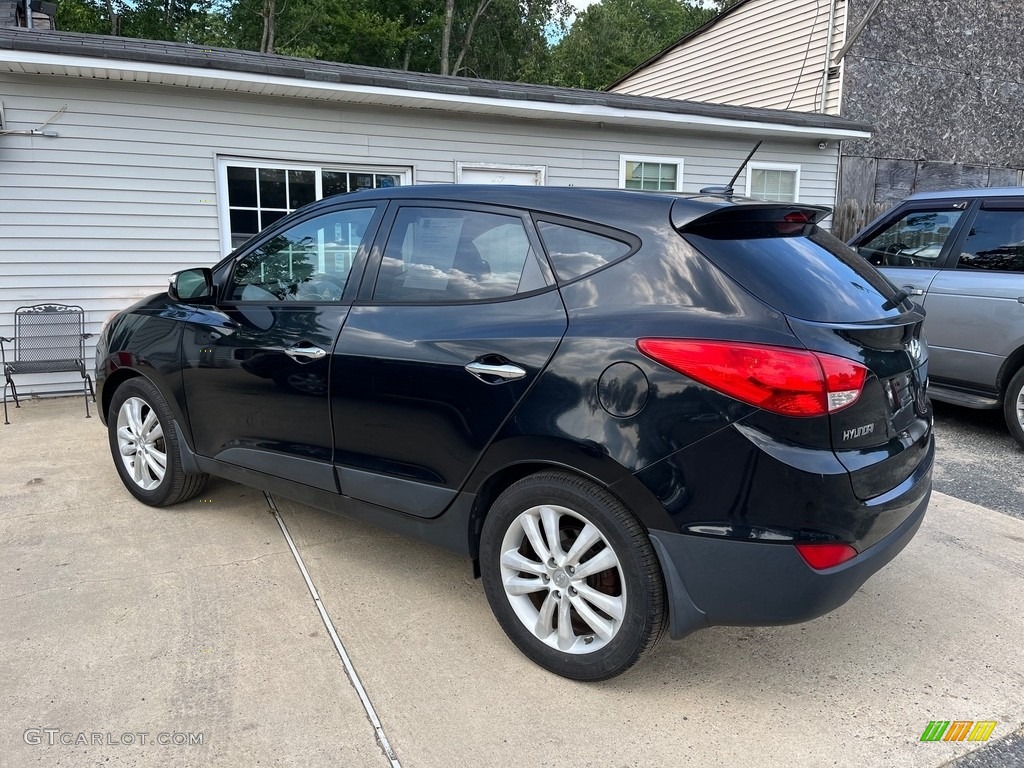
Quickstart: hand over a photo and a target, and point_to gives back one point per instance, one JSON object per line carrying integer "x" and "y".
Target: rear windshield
{"x": 813, "y": 276}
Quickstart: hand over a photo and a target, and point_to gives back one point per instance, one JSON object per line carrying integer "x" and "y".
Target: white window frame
{"x": 540, "y": 170}
{"x": 223, "y": 161}
{"x": 755, "y": 165}
{"x": 676, "y": 161}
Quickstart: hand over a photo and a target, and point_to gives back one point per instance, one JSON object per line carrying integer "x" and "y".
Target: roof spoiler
{"x": 792, "y": 216}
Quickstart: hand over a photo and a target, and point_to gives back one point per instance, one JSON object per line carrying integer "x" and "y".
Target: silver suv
{"x": 961, "y": 255}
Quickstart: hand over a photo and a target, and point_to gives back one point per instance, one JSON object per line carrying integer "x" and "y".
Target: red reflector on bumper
{"x": 822, "y": 556}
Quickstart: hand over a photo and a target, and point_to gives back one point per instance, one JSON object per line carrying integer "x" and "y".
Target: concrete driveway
{"x": 123, "y": 626}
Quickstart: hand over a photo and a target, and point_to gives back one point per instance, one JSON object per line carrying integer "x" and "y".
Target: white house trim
{"x": 33, "y": 62}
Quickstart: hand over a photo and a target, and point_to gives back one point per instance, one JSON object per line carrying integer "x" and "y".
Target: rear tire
{"x": 144, "y": 446}
{"x": 571, "y": 577}
{"x": 1013, "y": 407}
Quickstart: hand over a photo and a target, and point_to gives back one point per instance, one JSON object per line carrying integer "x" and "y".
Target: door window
{"x": 995, "y": 242}
{"x": 310, "y": 261}
{"x": 915, "y": 239}
{"x": 441, "y": 255}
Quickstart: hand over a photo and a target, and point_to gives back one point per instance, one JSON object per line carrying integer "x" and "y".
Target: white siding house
{"x": 775, "y": 54}
{"x": 122, "y": 161}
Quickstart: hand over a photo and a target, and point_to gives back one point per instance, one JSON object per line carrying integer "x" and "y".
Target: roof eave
{"x": 34, "y": 62}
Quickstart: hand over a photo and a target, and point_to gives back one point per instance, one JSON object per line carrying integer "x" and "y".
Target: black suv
{"x": 636, "y": 412}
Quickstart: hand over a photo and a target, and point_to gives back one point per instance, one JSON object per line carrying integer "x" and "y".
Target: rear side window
{"x": 812, "y": 277}
{"x": 445, "y": 255}
{"x": 995, "y": 242}
{"x": 575, "y": 252}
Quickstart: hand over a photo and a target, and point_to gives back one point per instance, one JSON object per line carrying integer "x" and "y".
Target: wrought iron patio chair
{"x": 48, "y": 338}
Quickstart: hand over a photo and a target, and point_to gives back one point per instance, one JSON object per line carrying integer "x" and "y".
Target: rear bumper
{"x": 718, "y": 581}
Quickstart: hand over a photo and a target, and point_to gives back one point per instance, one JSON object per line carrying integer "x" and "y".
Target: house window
{"x": 774, "y": 181}
{"x": 657, "y": 173}
{"x": 255, "y": 194}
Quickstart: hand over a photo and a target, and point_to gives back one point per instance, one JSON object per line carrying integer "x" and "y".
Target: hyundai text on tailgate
{"x": 639, "y": 414}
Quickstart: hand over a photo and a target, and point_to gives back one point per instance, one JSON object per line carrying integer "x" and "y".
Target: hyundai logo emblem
{"x": 914, "y": 348}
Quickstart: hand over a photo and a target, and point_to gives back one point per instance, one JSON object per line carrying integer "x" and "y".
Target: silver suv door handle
{"x": 312, "y": 353}
{"x": 505, "y": 372}
{"x": 915, "y": 291}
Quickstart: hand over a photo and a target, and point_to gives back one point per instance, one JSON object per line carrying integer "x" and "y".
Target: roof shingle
{"x": 227, "y": 59}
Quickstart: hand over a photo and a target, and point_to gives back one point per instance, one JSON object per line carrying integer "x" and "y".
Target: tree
{"x": 611, "y": 38}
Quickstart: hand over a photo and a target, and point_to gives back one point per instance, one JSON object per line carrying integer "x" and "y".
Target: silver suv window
{"x": 914, "y": 240}
{"x": 995, "y": 242}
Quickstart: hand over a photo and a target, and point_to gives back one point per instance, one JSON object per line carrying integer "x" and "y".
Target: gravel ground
{"x": 977, "y": 460}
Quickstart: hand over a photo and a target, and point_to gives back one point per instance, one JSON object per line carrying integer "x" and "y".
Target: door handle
{"x": 915, "y": 291}
{"x": 487, "y": 373}
{"x": 311, "y": 353}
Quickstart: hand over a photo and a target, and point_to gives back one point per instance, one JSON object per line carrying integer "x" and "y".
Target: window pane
{"x": 241, "y": 187}
{"x": 301, "y": 188}
{"x": 576, "y": 252}
{"x": 308, "y": 262}
{"x": 436, "y": 254}
{"x": 647, "y": 175}
{"x": 269, "y": 217}
{"x": 386, "y": 180}
{"x": 995, "y": 242}
{"x": 335, "y": 183}
{"x": 914, "y": 240}
{"x": 773, "y": 184}
{"x": 244, "y": 224}
{"x": 273, "y": 193}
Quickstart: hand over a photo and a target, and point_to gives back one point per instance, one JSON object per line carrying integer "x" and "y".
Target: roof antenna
{"x": 728, "y": 190}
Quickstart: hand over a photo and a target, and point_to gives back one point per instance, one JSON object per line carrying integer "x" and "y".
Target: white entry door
{"x": 530, "y": 176}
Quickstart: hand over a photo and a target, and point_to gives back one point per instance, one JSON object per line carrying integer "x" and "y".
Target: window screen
{"x": 442, "y": 254}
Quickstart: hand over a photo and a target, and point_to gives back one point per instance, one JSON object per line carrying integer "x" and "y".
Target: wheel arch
{"x": 1013, "y": 363}
{"x": 502, "y": 466}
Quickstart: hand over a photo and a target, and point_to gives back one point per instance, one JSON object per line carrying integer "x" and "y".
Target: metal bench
{"x": 48, "y": 338}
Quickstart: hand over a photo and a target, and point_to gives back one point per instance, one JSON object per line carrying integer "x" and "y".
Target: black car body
{"x": 741, "y": 390}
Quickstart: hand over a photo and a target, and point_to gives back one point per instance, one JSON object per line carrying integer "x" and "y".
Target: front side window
{"x": 778, "y": 183}
{"x": 995, "y": 242}
{"x": 258, "y": 194}
{"x": 308, "y": 262}
{"x": 441, "y": 254}
{"x": 651, "y": 173}
{"x": 915, "y": 239}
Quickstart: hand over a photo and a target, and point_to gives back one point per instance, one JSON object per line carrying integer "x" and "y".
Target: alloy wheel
{"x": 563, "y": 579}
{"x": 141, "y": 444}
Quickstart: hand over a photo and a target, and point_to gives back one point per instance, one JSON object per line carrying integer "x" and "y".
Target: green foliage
{"x": 611, "y": 38}
{"x": 494, "y": 39}
{"x": 82, "y": 16}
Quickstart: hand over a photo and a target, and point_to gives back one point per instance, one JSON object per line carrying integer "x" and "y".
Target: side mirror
{"x": 191, "y": 285}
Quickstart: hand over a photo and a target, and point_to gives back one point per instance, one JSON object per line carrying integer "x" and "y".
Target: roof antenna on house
{"x": 728, "y": 190}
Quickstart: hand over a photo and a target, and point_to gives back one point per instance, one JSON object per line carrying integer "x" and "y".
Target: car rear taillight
{"x": 822, "y": 556}
{"x": 791, "y": 382}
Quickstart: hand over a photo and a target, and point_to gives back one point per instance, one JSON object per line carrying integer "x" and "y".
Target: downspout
{"x": 829, "y": 32}
{"x": 28, "y": 14}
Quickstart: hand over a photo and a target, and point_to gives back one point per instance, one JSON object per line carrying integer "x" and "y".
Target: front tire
{"x": 145, "y": 446}
{"x": 1013, "y": 407}
{"x": 571, "y": 577}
